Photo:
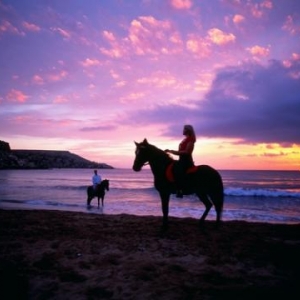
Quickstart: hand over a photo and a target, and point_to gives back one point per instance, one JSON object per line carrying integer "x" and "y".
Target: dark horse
{"x": 204, "y": 181}
{"x": 99, "y": 192}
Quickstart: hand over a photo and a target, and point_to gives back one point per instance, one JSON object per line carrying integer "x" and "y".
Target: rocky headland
{"x": 43, "y": 159}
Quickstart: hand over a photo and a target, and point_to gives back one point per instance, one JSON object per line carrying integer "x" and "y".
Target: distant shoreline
{"x": 43, "y": 159}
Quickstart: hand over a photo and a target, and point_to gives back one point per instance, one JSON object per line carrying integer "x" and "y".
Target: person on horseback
{"x": 185, "y": 151}
{"x": 96, "y": 179}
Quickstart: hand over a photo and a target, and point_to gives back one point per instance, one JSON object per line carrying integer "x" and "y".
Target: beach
{"x": 73, "y": 255}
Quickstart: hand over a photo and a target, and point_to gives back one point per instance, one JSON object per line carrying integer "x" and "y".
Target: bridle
{"x": 138, "y": 161}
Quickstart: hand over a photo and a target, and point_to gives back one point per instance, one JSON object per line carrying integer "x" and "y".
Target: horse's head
{"x": 141, "y": 155}
{"x": 105, "y": 183}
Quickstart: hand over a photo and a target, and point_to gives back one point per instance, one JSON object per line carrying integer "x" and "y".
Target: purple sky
{"x": 93, "y": 76}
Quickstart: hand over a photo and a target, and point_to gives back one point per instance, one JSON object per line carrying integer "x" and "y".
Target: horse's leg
{"x": 165, "y": 198}
{"x": 206, "y": 201}
{"x": 102, "y": 200}
{"x": 217, "y": 199}
{"x": 89, "y": 198}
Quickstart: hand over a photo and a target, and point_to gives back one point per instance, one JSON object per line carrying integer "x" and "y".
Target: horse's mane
{"x": 160, "y": 152}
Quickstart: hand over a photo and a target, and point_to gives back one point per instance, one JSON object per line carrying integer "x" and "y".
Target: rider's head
{"x": 189, "y": 130}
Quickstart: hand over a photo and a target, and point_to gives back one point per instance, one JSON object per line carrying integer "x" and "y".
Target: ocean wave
{"x": 234, "y": 192}
{"x": 270, "y": 193}
{"x": 67, "y": 187}
{"x": 42, "y": 203}
{"x": 228, "y": 191}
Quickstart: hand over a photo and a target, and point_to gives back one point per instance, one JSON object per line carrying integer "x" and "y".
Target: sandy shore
{"x": 65, "y": 255}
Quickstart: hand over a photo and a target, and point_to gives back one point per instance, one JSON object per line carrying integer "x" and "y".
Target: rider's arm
{"x": 188, "y": 150}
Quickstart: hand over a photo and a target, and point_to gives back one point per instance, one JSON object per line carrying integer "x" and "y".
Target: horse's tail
{"x": 218, "y": 195}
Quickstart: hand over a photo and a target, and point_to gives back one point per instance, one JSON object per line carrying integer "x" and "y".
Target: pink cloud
{"x": 289, "y": 62}
{"x": 290, "y": 26}
{"x": 296, "y": 56}
{"x": 238, "y": 19}
{"x": 267, "y": 4}
{"x": 52, "y": 77}
{"x": 88, "y": 62}
{"x": 16, "y": 96}
{"x": 257, "y": 9}
{"x": 256, "y": 12}
{"x": 132, "y": 97}
{"x": 259, "y": 51}
{"x": 64, "y": 33}
{"x": 219, "y": 37}
{"x": 117, "y": 50}
{"x": 31, "y": 27}
{"x": 60, "y": 99}
{"x": 109, "y": 36}
{"x": 151, "y": 36}
{"x": 7, "y": 27}
{"x": 37, "y": 79}
{"x": 114, "y": 74}
{"x": 181, "y": 4}
{"x": 198, "y": 45}
{"x": 160, "y": 80}
{"x": 146, "y": 35}
{"x": 57, "y": 76}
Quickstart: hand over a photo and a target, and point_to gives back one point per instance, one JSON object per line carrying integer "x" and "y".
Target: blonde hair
{"x": 190, "y": 130}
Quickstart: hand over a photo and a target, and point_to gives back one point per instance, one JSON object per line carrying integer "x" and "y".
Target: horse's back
{"x": 209, "y": 177}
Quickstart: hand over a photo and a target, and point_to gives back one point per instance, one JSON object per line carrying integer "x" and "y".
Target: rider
{"x": 185, "y": 161}
{"x": 96, "y": 179}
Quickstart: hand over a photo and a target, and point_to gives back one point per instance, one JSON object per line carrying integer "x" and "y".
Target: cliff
{"x": 43, "y": 159}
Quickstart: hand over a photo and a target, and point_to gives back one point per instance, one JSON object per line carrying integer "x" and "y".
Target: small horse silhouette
{"x": 204, "y": 181}
{"x": 99, "y": 192}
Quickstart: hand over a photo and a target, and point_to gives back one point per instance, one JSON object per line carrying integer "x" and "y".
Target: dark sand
{"x": 66, "y": 255}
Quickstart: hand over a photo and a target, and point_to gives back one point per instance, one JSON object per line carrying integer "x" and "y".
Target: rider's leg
{"x": 179, "y": 178}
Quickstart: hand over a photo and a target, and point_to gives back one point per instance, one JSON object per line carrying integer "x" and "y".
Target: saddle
{"x": 170, "y": 172}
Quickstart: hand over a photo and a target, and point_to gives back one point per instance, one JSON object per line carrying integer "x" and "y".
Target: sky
{"x": 92, "y": 77}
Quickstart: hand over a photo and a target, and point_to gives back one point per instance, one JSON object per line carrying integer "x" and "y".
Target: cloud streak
{"x": 251, "y": 103}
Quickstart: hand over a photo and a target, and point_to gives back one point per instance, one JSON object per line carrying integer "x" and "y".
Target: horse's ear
{"x": 145, "y": 141}
{"x": 136, "y": 143}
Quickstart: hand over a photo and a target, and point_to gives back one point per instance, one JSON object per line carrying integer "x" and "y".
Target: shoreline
{"x": 111, "y": 212}
{"x": 46, "y": 254}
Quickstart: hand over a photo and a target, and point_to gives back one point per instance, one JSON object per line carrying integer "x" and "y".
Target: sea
{"x": 252, "y": 196}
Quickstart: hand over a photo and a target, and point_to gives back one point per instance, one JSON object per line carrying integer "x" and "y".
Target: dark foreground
{"x": 65, "y": 255}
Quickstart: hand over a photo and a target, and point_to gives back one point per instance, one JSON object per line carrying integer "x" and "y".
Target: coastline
{"x": 64, "y": 255}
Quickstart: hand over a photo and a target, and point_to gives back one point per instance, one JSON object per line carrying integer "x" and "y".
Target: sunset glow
{"x": 92, "y": 77}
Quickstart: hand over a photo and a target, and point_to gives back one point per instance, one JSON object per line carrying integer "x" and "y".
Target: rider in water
{"x": 185, "y": 151}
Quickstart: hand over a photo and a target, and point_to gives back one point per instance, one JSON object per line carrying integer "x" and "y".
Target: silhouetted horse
{"x": 204, "y": 181}
{"x": 99, "y": 192}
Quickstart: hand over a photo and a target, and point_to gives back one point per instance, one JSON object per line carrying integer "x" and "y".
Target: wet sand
{"x": 67, "y": 255}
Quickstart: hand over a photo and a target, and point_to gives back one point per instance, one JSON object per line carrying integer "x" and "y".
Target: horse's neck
{"x": 100, "y": 185}
{"x": 159, "y": 162}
